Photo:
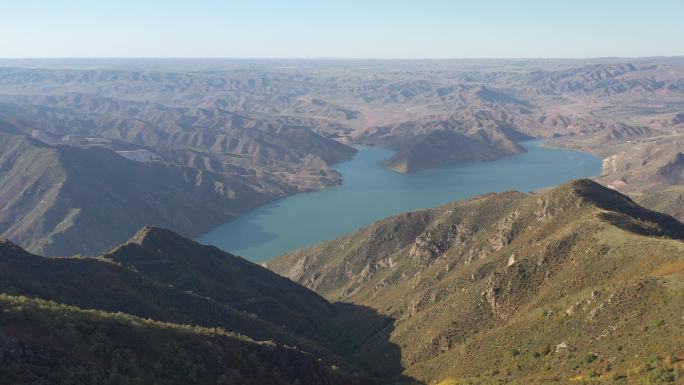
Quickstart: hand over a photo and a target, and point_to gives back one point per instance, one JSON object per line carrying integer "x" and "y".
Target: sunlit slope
{"x": 575, "y": 283}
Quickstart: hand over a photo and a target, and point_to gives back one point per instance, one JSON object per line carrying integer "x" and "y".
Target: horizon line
{"x": 340, "y": 58}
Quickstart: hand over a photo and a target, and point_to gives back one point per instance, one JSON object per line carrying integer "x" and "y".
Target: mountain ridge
{"x": 169, "y": 258}
{"x": 472, "y": 280}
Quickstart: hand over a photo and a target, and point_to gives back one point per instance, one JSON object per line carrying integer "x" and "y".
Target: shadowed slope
{"x": 94, "y": 283}
{"x": 161, "y": 276}
{"x": 62, "y": 200}
{"x": 46, "y": 342}
{"x": 207, "y": 271}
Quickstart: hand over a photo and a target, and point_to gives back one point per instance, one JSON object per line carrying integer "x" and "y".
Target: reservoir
{"x": 370, "y": 192}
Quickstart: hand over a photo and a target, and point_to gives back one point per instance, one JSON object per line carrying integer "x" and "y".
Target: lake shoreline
{"x": 369, "y": 192}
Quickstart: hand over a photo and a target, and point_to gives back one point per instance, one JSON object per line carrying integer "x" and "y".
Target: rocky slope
{"x": 572, "y": 284}
{"x": 98, "y": 283}
{"x": 170, "y": 259}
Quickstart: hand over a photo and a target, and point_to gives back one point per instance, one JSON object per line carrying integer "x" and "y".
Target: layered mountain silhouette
{"x": 255, "y": 133}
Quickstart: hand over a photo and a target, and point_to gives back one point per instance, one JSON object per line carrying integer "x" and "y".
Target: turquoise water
{"x": 370, "y": 192}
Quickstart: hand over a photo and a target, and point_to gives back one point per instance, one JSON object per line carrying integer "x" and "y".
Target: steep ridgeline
{"x": 64, "y": 200}
{"x": 577, "y": 283}
{"x": 164, "y": 309}
{"x": 208, "y": 272}
{"x": 96, "y": 283}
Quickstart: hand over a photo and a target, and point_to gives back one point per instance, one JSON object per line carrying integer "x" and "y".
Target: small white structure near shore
{"x": 139, "y": 155}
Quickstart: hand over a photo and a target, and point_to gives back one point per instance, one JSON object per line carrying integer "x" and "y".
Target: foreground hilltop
{"x": 577, "y": 283}
{"x": 162, "y": 309}
{"x": 573, "y": 284}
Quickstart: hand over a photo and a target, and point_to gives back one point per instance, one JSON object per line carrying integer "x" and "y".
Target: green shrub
{"x": 589, "y": 358}
{"x": 662, "y": 376}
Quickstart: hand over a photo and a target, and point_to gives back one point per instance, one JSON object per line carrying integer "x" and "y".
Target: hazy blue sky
{"x": 351, "y": 28}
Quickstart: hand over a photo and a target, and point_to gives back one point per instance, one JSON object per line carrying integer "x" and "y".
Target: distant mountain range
{"x": 93, "y": 150}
